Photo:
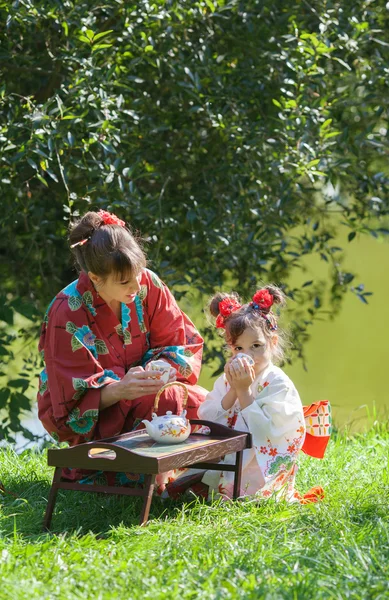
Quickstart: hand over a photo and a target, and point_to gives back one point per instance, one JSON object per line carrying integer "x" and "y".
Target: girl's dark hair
{"x": 109, "y": 249}
{"x": 248, "y": 316}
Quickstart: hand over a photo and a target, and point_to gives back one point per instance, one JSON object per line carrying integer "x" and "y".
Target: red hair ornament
{"x": 262, "y": 299}
{"x": 262, "y": 302}
{"x": 226, "y": 307}
{"x": 110, "y": 218}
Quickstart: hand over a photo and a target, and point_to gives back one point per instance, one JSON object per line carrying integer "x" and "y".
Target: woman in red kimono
{"x": 100, "y": 332}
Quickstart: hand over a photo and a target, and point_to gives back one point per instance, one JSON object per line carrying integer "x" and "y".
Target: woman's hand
{"x": 137, "y": 382}
{"x": 172, "y": 374}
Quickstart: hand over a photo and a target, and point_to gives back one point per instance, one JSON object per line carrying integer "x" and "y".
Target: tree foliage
{"x": 228, "y": 133}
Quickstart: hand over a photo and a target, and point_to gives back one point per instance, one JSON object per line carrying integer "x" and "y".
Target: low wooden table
{"x": 136, "y": 452}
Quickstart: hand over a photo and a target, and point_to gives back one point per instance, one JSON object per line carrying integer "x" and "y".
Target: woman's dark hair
{"x": 109, "y": 248}
{"x": 249, "y": 317}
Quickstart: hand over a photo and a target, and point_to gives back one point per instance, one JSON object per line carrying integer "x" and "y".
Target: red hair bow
{"x": 110, "y": 218}
{"x": 226, "y": 307}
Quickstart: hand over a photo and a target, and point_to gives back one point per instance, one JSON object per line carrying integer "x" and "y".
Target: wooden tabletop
{"x": 138, "y": 453}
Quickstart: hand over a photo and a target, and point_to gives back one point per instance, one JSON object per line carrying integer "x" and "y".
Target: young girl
{"x": 255, "y": 395}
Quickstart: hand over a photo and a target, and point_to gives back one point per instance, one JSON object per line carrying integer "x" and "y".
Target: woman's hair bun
{"x": 84, "y": 227}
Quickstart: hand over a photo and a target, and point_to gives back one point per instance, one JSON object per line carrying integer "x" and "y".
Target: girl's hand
{"x": 137, "y": 382}
{"x": 227, "y": 373}
{"x": 241, "y": 374}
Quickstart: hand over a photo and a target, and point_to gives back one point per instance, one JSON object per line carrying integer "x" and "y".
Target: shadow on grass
{"x": 74, "y": 512}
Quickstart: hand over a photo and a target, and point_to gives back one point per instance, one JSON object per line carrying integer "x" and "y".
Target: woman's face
{"x": 114, "y": 288}
{"x": 254, "y": 343}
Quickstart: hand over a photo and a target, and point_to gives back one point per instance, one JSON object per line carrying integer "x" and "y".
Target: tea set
{"x": 169, "y": 428}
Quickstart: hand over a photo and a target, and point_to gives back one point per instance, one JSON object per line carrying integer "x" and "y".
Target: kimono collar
{"x": 264, "y": 374}
{"x": 84, "y": 284}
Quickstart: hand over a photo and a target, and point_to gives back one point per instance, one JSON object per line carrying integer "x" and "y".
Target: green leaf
{"x": 351, "y": 236}
{"x": 127, "y": 337}
{"x": 74, "y": 302}
{"x": 100, "y": 46}
{"x": 25, "y": 308}
{"x": 65, "y": 28}
{"x": 210, "y": 5}
{"x": 156, "y": 280}
{"x": 76, "y": 344}
{"x": 52, "y": 175}
{"x": 98, "y": 36}
{"x": 21, "y": 401}
{"x": 4, "y": 395}
{"x": 6, "y": 313}
{"x": 342, "y": 62}
{"x": 79, "y": 384}
{"x": 19, "y": 383}
{"x": 71, "y": 327}
{"x": 185, "y": 370}
{"x": 32, "y": 164}
{"x": 142, "y": 292}
{"x": 326, "y": 124}
{"x": 313, "y": 163}
{"x": 42, "y": 180}
{"x": 101, "y": 347}
{"x": 332, "y": 134}
{"x": 348, "y": 277}
{"x": 276, "y": 103}
{"x": 87, "y": 298}
{"x": 70, "y": 138}
{"x": 83, "y": 38}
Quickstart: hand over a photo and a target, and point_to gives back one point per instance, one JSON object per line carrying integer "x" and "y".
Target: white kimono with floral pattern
{"x": 276, "y": 421}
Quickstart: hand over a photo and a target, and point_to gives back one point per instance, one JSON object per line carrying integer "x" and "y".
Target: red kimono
{"x": 85, "y": 347}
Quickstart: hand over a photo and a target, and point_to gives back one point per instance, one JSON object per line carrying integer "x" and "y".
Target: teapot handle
{"x": 168, "y": 385}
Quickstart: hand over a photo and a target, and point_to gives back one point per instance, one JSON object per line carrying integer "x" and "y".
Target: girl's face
{"x": 115, "y": 289}
{"x": 253, "y": 342}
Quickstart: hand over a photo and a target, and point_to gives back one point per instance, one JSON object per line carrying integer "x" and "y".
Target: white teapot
{"x": 169, "y": 428}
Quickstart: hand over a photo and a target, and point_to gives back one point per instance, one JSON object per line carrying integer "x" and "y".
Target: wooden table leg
{"x": 52, "y": 498}
{"x": 238, "y": 474}
{"x": 148, "y": 495}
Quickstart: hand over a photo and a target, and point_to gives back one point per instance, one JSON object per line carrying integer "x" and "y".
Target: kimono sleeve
{"x": 172, "y": 335}
{"x": 276, "y": 422}
{"x": 211, "y": 409}
{"x": 72, "y": 378}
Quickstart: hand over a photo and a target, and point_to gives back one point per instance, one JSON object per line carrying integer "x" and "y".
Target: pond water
{"x": 347, "y": 356}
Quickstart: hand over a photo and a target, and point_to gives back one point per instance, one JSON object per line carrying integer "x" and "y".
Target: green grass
{"x": 338, "y": 548}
